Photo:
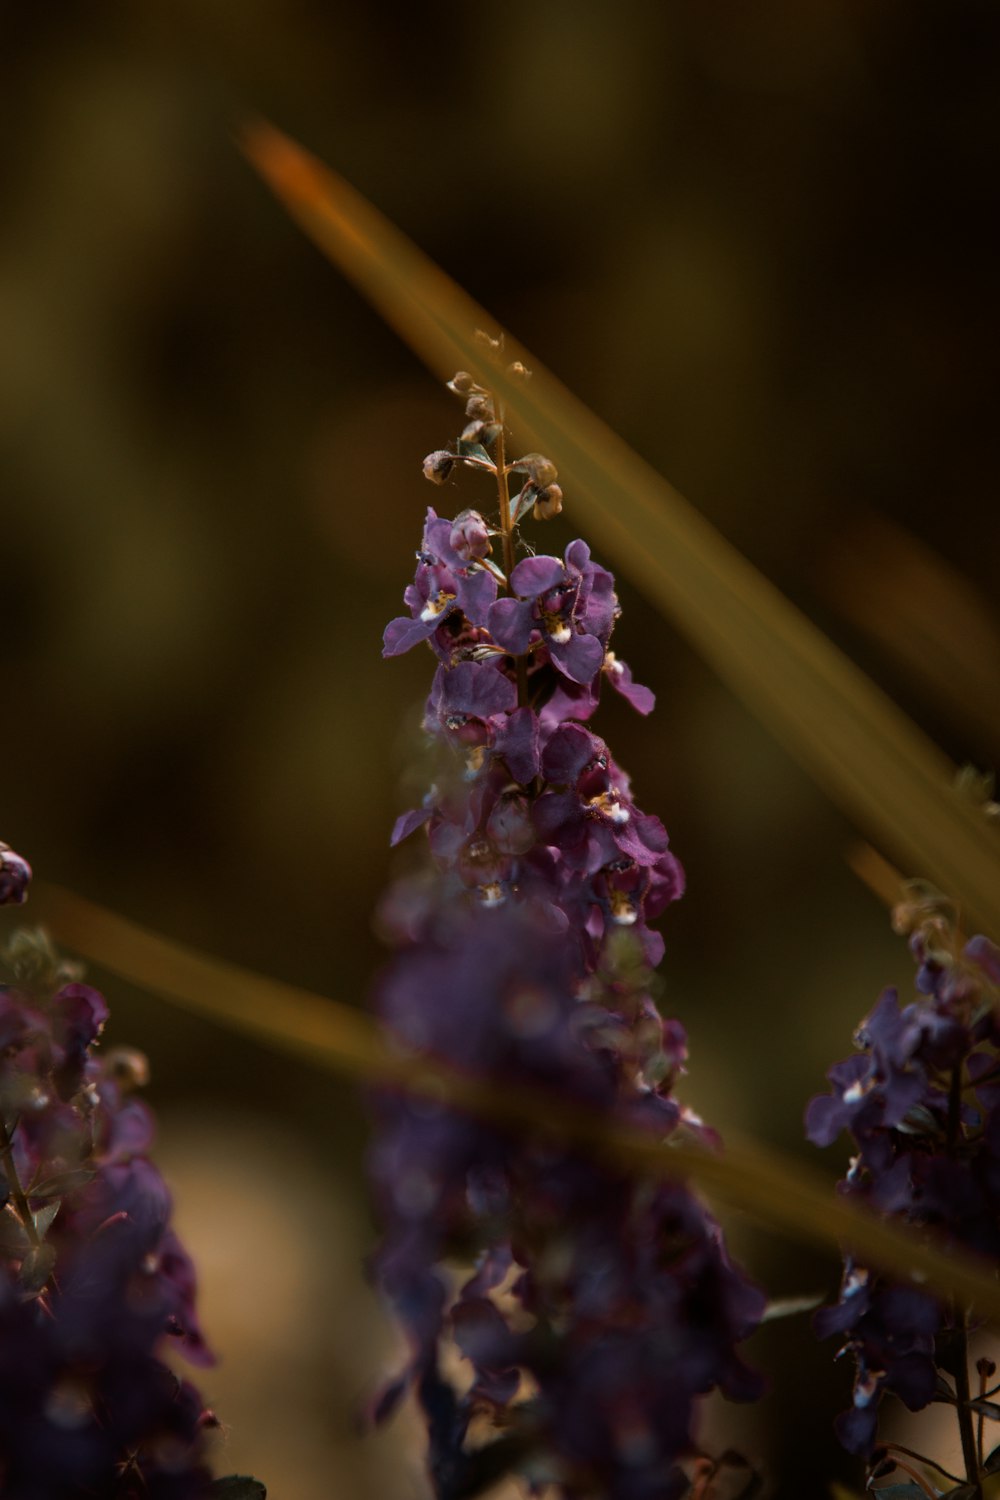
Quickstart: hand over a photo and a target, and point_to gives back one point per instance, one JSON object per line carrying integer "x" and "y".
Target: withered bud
{"x": 541, "y": 470}
{"x": 483, "y": 433}
{"x": 461, "y": 383}
{"x": 128, "y": 1067}
{"x": 479, "y": 407}
{"x": 438, "y": 465}
{"x": 485, "y": 341}
{"x": 470, "y": 537}
{"x": 517, "y": 371}
{"x": 986, "y": 1367}
{"x": 548, "y": 503}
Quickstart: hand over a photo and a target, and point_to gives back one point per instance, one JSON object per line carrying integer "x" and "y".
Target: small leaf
{"x": 788, "y": 1307}
{"x": 63, "y": 1182}
{"x": 907, "y": 1491}
{"x": 986, "y": 1409}
{"x": 13, "y": 1239}
{"x": 36, "y": 1268}
{"x": 238, "y": 1487}
{"x": 44, "y": 1217}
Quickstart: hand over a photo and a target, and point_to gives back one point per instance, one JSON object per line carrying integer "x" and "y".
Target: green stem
{"x": 507, "y": 538}
{"x": 964, "y": 1394}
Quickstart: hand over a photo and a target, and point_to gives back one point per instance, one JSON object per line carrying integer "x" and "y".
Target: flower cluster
{"x": 592, "y": 1311}
{"x": 94, "y": 1283}
{"x": 919, "y": 1099}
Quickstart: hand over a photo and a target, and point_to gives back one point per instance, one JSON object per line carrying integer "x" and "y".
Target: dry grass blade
{"x": 893, "y": 783}
{"x": 777, "y": 1193}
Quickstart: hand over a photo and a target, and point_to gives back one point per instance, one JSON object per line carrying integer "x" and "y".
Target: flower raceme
{"x": 94, "y": 1283}
{"x": 592, "y": 1311}
{"x": 920, "y": 1099}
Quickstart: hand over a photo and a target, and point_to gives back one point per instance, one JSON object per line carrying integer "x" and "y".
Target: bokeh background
{"x": 754, "y": 237}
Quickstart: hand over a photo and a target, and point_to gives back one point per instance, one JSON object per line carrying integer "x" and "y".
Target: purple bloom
{"x": 445, "y": 581}
{"x": 924, "y": 1152}
{"x": 95, "y": 1285}
{"x": 569, "y": 607}
{"x": 524, "y": 962}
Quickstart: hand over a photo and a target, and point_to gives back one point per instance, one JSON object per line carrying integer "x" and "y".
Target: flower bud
{"x": 470, "y": 537}
{"x": 548, "y": 503}
{"x": 510, "y": 826}
{"x": 517, "y": 371}
{"x": 461, "y": 383}
{"x": 15, "y": 877}
{"x": 438, "y": 466}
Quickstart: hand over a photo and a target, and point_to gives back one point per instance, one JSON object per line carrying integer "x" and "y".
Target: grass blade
{"x": 779, "y": 1194}
{"x": 885, "y": 774}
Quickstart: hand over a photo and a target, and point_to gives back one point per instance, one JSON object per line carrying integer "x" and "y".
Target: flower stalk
{"x": 593, "y": 1311}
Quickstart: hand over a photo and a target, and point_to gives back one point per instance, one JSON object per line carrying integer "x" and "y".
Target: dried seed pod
{"x": 548, "y": 503}
{"x": 461, "y": 383}
{"x": 479, "y": 407}
{"x": 438, "y": 466}
{"x": 128, "y": 1067}
{"x": 540, "y": 470}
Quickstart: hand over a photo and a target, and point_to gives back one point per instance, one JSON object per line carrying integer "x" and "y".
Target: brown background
{"x": 754, "y": 238}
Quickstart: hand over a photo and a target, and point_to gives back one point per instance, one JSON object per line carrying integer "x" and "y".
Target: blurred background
{"x": 754, "y": 238}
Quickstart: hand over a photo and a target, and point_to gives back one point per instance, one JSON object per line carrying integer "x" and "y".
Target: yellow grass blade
{"x": 778, "y": 1193}
{"x": 862, "y": 750}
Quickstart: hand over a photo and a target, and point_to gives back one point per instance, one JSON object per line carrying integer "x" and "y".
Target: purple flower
{"x": 524, "y": 961}
{"x": 927, "y": 1151}
{"x": 445, "y": 581}
{"x": 95, "y": 1285}
{"x": 569, "y": 607}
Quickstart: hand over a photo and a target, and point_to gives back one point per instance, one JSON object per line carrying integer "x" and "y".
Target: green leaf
{"x": 908, "y": 1491}
{"x": 14, "y": 1240}
{"x": 36, "y": 1268}
{"x": 238, "y": 1487}
{"x": 43, "y": 1218}
{"x": 61, "y": 1183}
